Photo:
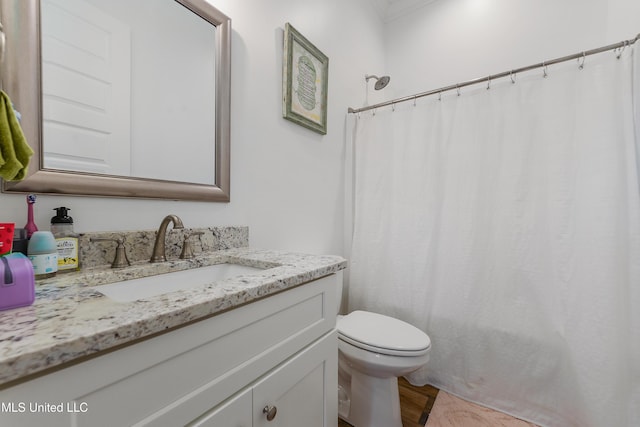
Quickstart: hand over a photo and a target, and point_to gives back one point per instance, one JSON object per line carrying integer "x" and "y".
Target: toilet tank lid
{"x": 382, "y": 331}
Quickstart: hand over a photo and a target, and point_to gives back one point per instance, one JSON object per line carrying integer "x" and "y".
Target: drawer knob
{"x": 270, "y": 412}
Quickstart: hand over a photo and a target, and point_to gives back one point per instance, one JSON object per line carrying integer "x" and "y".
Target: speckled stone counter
{"x": 70, "y": 319}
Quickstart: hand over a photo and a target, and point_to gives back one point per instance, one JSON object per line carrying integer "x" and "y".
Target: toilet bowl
{"x": 374, "y": 350}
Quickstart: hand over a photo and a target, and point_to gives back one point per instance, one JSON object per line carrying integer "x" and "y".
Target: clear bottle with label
{"x": 43, "y": 254}
{"x": 66, "y": 241}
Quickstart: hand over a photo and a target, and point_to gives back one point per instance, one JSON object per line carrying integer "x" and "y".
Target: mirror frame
{"x": 21, "y": 79}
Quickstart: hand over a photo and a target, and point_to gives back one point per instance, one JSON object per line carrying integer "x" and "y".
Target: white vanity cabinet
{"x": 298, "y": 389}
{"x": 294, "y": 394}
{"x": 278, "y": 352}
{"x": 234, "y": 413}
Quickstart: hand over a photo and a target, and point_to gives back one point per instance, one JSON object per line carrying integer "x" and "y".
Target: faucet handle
{"x": 121, "y": 259}
{"x": 187, "y": 250}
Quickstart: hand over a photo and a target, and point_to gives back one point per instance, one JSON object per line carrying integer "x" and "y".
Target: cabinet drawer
{"x": 234, "y": 413}
{"x": 173, "y": 378}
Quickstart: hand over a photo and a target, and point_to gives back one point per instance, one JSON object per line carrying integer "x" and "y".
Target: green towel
{"x": 14, "y": 150}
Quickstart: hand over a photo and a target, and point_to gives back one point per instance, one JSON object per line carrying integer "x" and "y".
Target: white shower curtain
{"x": 505, "y": 223}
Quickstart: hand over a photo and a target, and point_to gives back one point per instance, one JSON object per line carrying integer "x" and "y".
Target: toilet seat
{"x": 382, "y": 334}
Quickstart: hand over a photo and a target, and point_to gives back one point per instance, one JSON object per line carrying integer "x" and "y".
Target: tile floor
{"x": 429, "y": 407}
{"x": 451, "y": 411}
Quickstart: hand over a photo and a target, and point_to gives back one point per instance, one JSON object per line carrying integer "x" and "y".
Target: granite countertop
{"x": 70, "y": 319}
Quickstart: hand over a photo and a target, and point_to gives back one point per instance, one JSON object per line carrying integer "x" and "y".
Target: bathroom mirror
{"x": 187, "y": 76}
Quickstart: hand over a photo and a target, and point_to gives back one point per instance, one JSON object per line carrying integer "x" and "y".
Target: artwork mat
{"x": 298, "y": 97}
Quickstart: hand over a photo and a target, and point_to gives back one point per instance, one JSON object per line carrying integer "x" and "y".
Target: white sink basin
{"x": 146, "y": 287}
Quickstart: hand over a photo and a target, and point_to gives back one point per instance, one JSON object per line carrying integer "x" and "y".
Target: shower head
{"x": 381, "y": 82}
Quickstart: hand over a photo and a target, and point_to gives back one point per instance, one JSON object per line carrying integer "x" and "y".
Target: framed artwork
{"x": 305, "y": 77}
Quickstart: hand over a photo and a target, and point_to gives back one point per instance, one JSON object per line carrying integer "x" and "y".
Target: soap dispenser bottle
{"x": 43, "y": 254}
{"x": 66, "y": 241}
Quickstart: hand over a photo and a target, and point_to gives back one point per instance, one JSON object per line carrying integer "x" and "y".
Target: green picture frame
{"x": 305, "y": 82}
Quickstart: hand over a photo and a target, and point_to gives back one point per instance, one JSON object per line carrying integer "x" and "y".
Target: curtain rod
{"x": 511, "y": 73}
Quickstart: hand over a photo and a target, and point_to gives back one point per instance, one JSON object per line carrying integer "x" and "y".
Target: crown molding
{"x": 390, "y": 10}
{"x": 381, "y": 7}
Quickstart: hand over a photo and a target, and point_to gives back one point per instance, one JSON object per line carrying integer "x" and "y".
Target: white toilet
{"x": 374, "y": 350}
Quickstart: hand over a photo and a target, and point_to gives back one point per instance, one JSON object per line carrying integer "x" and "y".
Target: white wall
{"x": 450, "y": 41}
{"x": 286, "y": 181}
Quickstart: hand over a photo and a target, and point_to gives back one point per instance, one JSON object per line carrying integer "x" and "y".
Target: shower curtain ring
{"x": 581, "y": 63}
{"x": 440, "y": 96}
{"x": 544, "y": 70}
{"x": 393, "y": 107}
{"x": 488, "y": 82}
{"x": 458, "y": 90}
{"x": 512, "y": 76}
{"x": 414, "y": 100}
{"x": 621, "y": 49}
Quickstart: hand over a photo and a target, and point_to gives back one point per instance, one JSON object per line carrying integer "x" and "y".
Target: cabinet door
{"x": 234, "y": 413}
{"x": 302, "y": 391}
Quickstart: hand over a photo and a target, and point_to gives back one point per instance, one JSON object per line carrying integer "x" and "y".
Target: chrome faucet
{"x": 159, "y": 246}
